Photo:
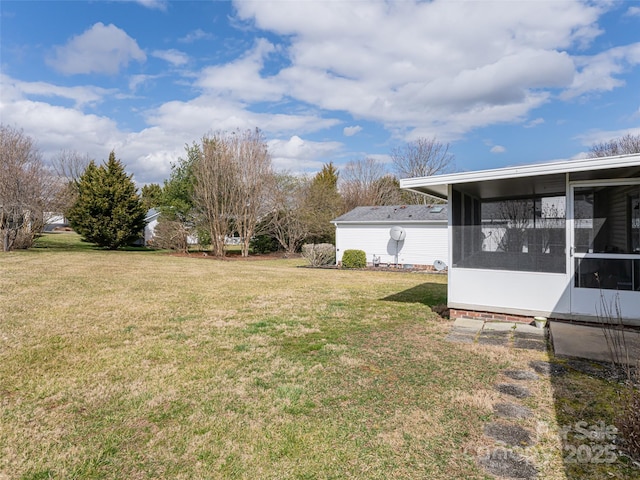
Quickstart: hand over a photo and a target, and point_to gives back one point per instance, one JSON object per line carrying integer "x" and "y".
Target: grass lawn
{"x": 136, "y": 365}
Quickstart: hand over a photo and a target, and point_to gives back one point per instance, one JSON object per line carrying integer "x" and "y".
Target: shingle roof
{"x": 395, "y": 213}
{"x": 151, "y": 213}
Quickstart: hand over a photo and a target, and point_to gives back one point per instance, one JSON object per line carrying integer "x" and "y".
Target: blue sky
{"x": 503, "y": 82}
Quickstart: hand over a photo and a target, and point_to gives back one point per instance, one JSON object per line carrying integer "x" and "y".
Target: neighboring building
{"x": 151, "y": 221}
{"x": 54, "y": 221}
{"x": 558, "y": 239}
{"x": 152, "y": 218}
{"x": 424, "y": 230}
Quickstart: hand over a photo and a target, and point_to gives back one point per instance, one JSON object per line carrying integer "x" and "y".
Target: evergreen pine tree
{"x": 108, "y": 210}
{"x": 323, "y": 203}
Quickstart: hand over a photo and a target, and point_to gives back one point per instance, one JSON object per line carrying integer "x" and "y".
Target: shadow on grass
{"x": 428, "y": 293}
{"x": 72, "y": 242}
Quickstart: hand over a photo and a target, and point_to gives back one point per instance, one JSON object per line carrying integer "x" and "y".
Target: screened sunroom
{"x": 560, "y": 239}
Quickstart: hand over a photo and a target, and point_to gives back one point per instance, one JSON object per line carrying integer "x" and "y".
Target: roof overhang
{"x": 389, "y": 222}
{"x": 517, "y": 177}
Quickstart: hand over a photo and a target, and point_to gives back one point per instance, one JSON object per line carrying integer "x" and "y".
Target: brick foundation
{"x": 489, "y": 316}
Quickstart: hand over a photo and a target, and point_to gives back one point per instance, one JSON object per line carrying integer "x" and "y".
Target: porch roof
{"x": 546, "y": 177}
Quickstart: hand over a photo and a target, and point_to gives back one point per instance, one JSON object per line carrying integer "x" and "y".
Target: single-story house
{"x": 558, "y": 239}
{"x": 419, "y": 236}
{"x": 151, "y": 222}
{"x": 54, "y": 221}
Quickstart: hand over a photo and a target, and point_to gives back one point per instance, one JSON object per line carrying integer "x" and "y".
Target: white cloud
{"x": 197, "y": 34}
{"x": 633, "y": 12}
{"x": 242, "y": 79}
{"x": 212, "y": 113}
{"x": 599, "y": 136}
{"x": 154, "y": 4}
{"x": 498, "y": 149}
{"x": 100, "y": 49}
{"x": 417, "y": 65}
{"x": 297, "y": 155}
{"x": 534, "y": 123}
{"x": 80, "y": 95}
{"x": 351, "y": 131}
{"x": 55, "y": 128}
{"x": 173, "y": 56}
{"x": 135, "y": 81}
{"x": 597, "y": 72}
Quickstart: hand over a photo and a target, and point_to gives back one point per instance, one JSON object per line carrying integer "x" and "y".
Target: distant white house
{"x": 419, "y": 239}
{"x": 54, "y": 221}
{"x": 151, "y": 221}
{"x": 152, "y": 218}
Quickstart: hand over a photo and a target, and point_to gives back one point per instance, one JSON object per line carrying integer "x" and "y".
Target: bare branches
{"x": 212, "y": 172}
{"x": 69, "y": 166}
{"x": 366, "y": 182}
{"x": 619, "y": 146}
{"x": 26, "y": 189}
{"x": 421, "y": 158}
{"x": 231, "y": 176}
{"x": 289, "y": 220}
{"x": 253, "y": 166}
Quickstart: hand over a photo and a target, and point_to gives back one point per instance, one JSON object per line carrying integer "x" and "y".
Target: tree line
{"x": 224, "y": 186}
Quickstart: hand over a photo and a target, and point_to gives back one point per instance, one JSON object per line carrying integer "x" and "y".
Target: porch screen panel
{"x": 607, "y": 235}
{"x": 466, "y": 227}
{"x": 518, "y": 234}
{"x": 607, "y": 219}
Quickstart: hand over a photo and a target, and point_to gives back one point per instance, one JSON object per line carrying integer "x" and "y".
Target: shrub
{"x": 171, "y": 234}
{"x": 354, "y": 259}
{"x": 319, "y": 254}
{"x": 263, "y": 244}
{"x": 627, "y": 419}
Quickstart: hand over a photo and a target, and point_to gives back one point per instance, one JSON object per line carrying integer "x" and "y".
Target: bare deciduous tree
{"x": 288, "y": 220}
{"x": 253, "y": 167}
{"x": 619, "y": 146}
{"x": 26, "y": 189}
{"x": 213, "y": 177}
{"x": 421, "y": 158}
{"x": 230, "y": 181}
{"x": 69, "y": 166}
{"x": 366, "y": 182}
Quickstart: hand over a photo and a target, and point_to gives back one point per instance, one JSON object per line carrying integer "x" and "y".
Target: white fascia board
{"x": 392, "y": 222}
{"x": 538, "y": 169}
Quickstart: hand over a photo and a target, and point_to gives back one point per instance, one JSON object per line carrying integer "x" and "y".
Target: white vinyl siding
{"x": 424, "y": 242}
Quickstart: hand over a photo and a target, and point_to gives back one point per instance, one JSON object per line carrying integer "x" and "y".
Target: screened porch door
{"x": 605, "y": 249}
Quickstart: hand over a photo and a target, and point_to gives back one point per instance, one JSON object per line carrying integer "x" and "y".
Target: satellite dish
{"x": 397, "y": 233}
{"x": 439, "y": 265}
